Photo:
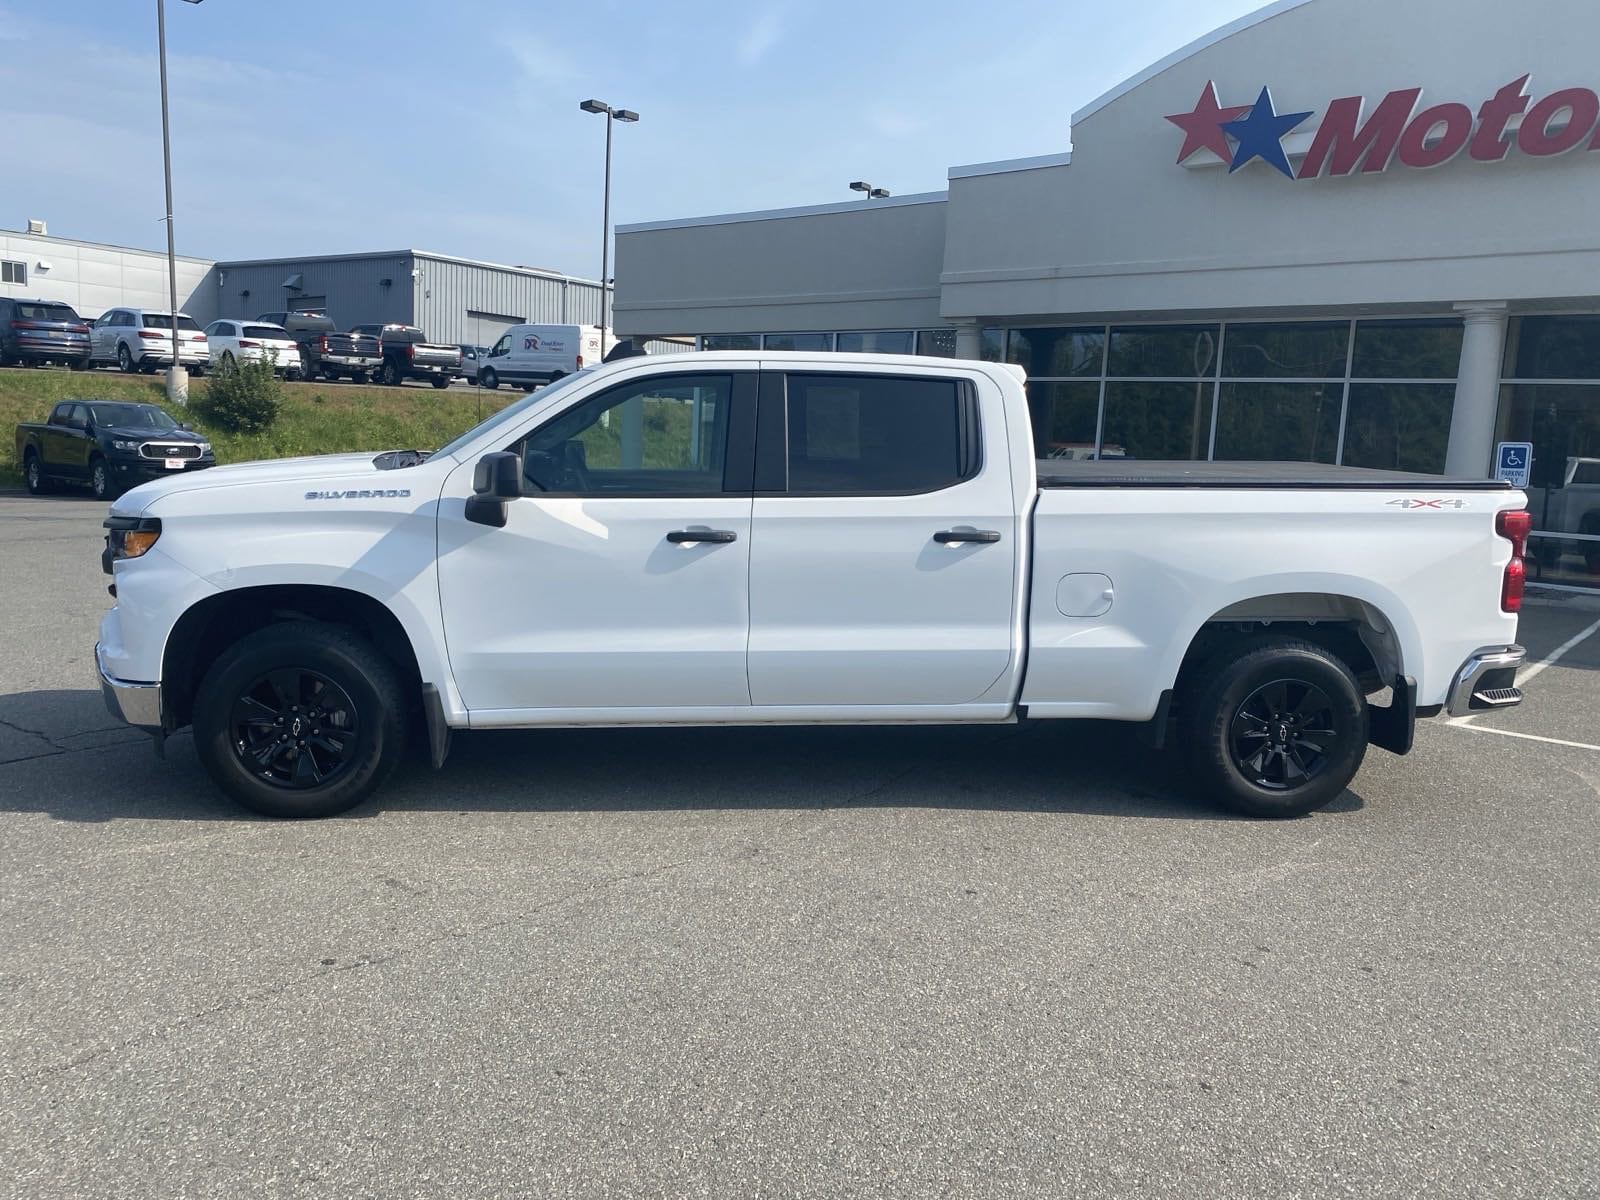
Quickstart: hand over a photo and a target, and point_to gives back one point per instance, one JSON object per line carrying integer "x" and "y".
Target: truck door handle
{"x": 946, "y": 537}
{"x": 680, "y": 536}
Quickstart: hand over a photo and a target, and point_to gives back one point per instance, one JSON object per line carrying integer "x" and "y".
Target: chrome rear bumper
{"x": 1487, "y": 681}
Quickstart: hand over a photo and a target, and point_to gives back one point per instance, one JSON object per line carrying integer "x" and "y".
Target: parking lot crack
{"x": 253, "y": 997}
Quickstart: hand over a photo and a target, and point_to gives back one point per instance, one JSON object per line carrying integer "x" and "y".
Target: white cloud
{"x": 762, "y": 35}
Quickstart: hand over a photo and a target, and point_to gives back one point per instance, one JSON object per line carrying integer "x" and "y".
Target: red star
{"x": 1202, "y": 128}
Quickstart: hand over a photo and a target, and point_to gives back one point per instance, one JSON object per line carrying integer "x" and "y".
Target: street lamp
{"x": 611, "y": 114}
{"x": 870, "y": 192}
{"x": 177, "y": 377}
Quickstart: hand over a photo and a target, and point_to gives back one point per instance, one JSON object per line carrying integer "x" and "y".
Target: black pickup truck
{"x": 408, "y": 354}
{"x": 108, "y": 446}
{"x": 324, "y": 350}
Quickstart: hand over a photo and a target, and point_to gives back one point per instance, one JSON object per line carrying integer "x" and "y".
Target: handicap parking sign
{"x": 1513, "y": 461}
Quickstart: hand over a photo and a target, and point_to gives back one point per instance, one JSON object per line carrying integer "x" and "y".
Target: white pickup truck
{"x": 759, "y": 538}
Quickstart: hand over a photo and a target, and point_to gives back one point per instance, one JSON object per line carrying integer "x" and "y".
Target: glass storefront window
{"x": 1405, "y": 350}
{"x": 1156, "y": 420}
{"x": 939, "y": 343}
{"x": 991, "y": 345}
{"x": 1064, "y": 418}
{"x": 1281, "y": 422}
{"x": 1563, "y": 423}
{"x": 731, "y": 341}
{"x": 1053, "y": 353}
{"x": 1399, "y": 426}
{"x": 1553, "y": 348}
{"x": 1313, "y": 350}
{"x": 1155, "y": 351}
{"x": 799, "y": 341}
{"x": 874, "y": 343}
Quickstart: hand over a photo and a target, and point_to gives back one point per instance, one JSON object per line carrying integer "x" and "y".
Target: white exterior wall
{"x": 93, "y": 277}
{"x": 1124, "y": 230}
{"x": 861, "y": 265}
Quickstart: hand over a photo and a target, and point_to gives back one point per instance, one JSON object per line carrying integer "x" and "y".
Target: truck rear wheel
{"x": 1279, "y": 731}
{"x": 300, "y": 720}
{"x": 33, "y": 473}
{"x": 440, "y": 381}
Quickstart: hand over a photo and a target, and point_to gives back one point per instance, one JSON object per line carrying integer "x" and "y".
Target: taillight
{"x": 23, "y": 325}
{"x": 1515, "y": 527}
{"x": 580, "y": 362}
{"x": 411, "y": 349}
{"x": 150, "y": 333}
{"x": 244, "y": 345}
{"x": 323, "y": 343}
{"x": 79, "y": 329}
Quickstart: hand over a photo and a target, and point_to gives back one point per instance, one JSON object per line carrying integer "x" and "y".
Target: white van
{"x": 528, "y": 355}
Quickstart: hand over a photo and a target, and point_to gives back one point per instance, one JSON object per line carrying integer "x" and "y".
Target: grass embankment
{"x": 316, "y": 418}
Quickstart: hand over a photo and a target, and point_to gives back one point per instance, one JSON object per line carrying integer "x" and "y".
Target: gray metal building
{"x": 451, "y": 299}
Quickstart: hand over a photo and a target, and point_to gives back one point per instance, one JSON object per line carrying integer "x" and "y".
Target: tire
{"x": 33, "y": 474}
{"x": 100, "y": 481}
{"x": 125, "y": 360}
{"x": 323, "y": 675}
{"x": 1239, "y": 753}
{"x": 391, "y": 375}
{"x": 358, "y": 377}
{"x": 198, "y": 372}
{"x": 79, "y": 364}
{"x": 228, "y": 362}
{"x": 528, "y": 387}
{"x": 488, "y": 379}
{"x": 555, "y": 375}
{"x": 331, "y": 374}
{"x": 439, "y": 381}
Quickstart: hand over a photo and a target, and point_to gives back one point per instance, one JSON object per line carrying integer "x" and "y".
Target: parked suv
{"x": 42, "y": 331}
{"x": 137, "y": 339}
{"x": 233, "y": 341}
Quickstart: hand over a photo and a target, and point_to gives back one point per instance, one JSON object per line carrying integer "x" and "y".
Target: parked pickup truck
{"x": 108, "y": 445}
{"x": 407, "y": 354}
{"x": 324, "y": 350}
{"x": 757, "y": 538}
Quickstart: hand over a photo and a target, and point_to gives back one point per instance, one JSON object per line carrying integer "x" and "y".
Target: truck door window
{"x": 861, "y": 435}
{"x": 502, "y": 346}
{"x": 662, "y": 436}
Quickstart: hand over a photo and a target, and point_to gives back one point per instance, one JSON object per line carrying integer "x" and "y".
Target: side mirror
{"x": 496, "y": 479}
{"x": 185, "y": 425}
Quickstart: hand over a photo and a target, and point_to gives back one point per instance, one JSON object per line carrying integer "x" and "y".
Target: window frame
{"x": 738, "y": 453}
{"x": 772, "y": 452}
{"x": 17, "y": 269}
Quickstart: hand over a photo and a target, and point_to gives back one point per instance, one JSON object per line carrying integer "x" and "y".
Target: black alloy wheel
{"x": 1283, "y": 734}
{"x": 294, "y": 728}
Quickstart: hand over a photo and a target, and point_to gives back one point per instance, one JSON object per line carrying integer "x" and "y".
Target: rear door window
{"x": 862, "y": 435}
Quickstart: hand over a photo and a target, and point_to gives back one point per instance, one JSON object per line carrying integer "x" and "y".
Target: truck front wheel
{"x": 1279, "y": 731}
{"x": 300, "y": 719}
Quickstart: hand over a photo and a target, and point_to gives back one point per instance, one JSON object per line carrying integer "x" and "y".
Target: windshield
{"x": 131, "y": 416}
{"x": 511, "y": 412}
{"x": 162, "y": 321}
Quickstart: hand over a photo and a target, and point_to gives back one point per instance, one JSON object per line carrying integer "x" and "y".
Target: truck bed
{"x": 1292, "y": 476}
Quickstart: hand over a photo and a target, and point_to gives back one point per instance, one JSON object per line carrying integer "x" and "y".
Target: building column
{"x": 969, "y": 339}
{"x": 1472, "y": 421}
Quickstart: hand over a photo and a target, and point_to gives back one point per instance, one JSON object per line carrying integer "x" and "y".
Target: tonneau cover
{"x": 1301, "y": 476}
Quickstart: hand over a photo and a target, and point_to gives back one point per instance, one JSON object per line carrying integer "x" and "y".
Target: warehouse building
{"x": 451, "y": 299}
{"x": 93, "y": 277}
{"x": 1346, "y": 231}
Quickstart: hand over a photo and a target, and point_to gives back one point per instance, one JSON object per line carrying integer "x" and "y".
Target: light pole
{"x": 611, "y": 114}
{"x": 177, "y": 377}
{"x": 868, "y": 191}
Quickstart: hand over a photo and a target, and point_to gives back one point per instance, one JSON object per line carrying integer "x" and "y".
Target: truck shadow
{"x": 61, "y": 754}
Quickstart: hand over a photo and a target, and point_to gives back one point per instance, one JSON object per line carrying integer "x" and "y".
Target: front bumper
{"x": 125, "y": 470}
{"x": 1486, "y": 681}
{"x": 139, "y": 704}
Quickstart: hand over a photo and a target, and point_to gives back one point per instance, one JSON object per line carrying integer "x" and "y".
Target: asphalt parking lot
{"x": 770, "y": 962}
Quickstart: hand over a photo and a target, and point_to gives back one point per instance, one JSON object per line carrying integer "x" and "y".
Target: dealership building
{"x": 1353, "y": 231}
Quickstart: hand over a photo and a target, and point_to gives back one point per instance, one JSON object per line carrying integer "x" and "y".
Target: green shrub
{"x": 242, "y": 398}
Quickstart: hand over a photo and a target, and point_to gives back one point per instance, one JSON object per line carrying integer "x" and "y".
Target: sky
{"x": 453, "y": 125}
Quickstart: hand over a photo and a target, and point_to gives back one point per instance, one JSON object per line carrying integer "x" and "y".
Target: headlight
{"x": 129, "y": 537}
{"x": 124, "y": 446}
{"x": 205, "y": 449}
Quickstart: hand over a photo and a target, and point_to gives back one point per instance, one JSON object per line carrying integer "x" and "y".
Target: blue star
{"x": 1260, "y": 134}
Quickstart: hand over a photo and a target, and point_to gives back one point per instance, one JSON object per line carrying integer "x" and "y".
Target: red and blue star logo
{"x": 1240, "y": 134}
